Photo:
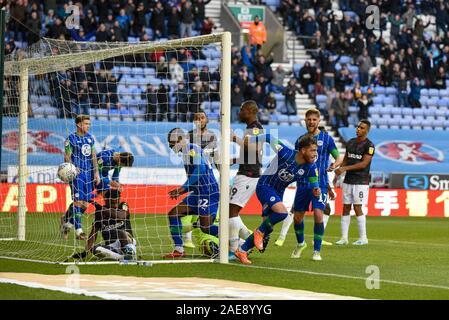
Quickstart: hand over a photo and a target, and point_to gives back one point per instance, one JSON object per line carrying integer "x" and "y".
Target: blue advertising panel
{"x": 412, "y": 151}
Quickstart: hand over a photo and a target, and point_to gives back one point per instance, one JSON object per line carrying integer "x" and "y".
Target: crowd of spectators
{"x": 411, "y": 58}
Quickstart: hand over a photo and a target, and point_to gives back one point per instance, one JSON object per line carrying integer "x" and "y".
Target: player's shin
{"x": 318, "y": 232}
{"x": 299, "y": 232}
{"x": 176, "y": 232}
{"x": 267, "y": 226}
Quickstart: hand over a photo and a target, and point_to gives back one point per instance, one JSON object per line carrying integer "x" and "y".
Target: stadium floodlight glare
{"x": 45, "y": 85}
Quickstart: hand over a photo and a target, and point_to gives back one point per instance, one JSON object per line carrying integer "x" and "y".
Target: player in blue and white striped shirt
{"x": 287, "y": 167}
{"x": 202, "y": 187}
{"x": 303, "y": 197}
{"x": 80, "y": 150}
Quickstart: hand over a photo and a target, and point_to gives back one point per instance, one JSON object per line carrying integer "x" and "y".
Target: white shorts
{"x": 242, "y": 189}
{"x": 355, "y": 194}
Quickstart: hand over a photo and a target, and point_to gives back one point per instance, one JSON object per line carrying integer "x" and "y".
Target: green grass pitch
{"x": 411, "y": 254}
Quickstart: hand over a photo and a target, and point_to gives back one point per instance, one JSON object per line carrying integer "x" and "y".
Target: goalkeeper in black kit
{"x": 113, "y": 221}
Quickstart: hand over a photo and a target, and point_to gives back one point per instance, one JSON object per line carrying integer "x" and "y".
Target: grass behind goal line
{"x": 412, "y": 255}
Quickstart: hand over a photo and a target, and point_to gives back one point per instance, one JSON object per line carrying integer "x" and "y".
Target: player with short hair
{"x": 113, "y": 222}
{"x": 356, "y": 164}
{"x": 112, "y": 160}
{"x": 288, "y": 166}
{"x": 202, "y": 187}
{"x": 80, "y": 150}
{"x": 244, "y": 184}
{"x": 207, "y": 140}
{"x": 304, "y": 197}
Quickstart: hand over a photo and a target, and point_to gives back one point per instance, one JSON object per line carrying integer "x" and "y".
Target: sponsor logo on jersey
{"x": 355, "y": 156}
{"x": 113, "y": 226}
{"x": 410, "y": 152}
{"x": 38, "y": 141}
{"x": 286, "y": 176}
{"x": 192, "y": 153}
{"x": 86, "y": 150}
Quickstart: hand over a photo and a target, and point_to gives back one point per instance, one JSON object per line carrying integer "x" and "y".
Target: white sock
{"x": 361, "y": 221}
{"x": 108, "y": 254}
{"x": 244, "y": 231}
{"x": 325, "y": 220}
{"x": 234, "y": 228}
{"x": 188, "y": 236}
{"x": 345, "y": 221}
{"x": 179, "y": 249}
{"x": 285, "y": 226}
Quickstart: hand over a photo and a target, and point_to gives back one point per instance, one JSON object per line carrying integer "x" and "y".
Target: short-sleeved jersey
{"x": 326, "y": 146}
{"x": 251, "y": 170}
{"x": 81, "y": 148}
{"x": 207, "y": 141}
{"x": 284, "y": 170}
{"x": 106, "y": 163}
{"x": 110, "y": 228}
{"x": 200, "y": 176}
{"x": 354, "y": 154}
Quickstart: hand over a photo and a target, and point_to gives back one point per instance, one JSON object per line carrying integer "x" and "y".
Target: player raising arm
{"x": 288, "y": 166}
{"x": 202, "y": 187}
{"x": 80, "y": 150}
{"x": 356, "y": 164}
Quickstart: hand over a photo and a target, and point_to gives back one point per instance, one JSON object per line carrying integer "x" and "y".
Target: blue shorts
{"x": 268, "y": 197}
{"x": 103, "y": 185}
{"x": 304, "y": 196}
{"x": 204, "y": 205}
{"x": 83, "y": 186}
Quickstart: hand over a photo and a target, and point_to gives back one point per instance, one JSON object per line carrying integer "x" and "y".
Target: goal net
{"x": 134, "y": 94}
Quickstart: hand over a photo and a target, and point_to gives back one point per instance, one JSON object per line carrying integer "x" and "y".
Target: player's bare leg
{"x": 345, "y": 222}
{"x": 361, "y": 222}
{"x": 174, "y": 218}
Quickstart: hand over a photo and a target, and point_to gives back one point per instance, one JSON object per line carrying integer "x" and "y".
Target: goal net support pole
{"x": 23, "y": 132}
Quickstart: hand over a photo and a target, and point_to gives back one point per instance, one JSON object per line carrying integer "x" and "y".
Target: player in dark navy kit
{"x": 244, "y": 184}
{"x": 112, "y": 160}
{"x": 287, "y": 167}
{"x": 80, "y": 150}
{"x": 202, "y": 187}
{"x": 356, "y": 164}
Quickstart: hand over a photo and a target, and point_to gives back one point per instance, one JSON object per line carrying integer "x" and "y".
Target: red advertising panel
{"x": 154, "y": 199}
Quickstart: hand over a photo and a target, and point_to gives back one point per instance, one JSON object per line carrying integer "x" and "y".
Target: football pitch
{"x": 409, "y": 257}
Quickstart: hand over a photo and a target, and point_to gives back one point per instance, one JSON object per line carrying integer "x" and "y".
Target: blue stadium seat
{"x": 215, "y": 105}
{"x": 440, "y": 112}
{"x": 424, "y": 100}
{"x": 407, "y": 111}
{"x": 438, "y": 124}
{"x": 282, "y": 118}
{"x": 379, "y": 90}
{"x": 295, "y": 120}
{"x": 418, "y": 112}
{"x": 444, "y": 92}
{"x": 391, "y": 90}
{"x": 434, "y": 93}
{"x": 213, "y": 116}
{"x": 430, "y": 111}
{"x": 321, "y": 98}
{"x": 424, "y": 92}
{"x": 353, "y": 69}
{"x": 416, "y": 124}
{"x": 396, "y": 111}
{"x": 404, "y": 123}
{"x": 378, "y": 100}
{"x": 434, "y": 101}
{"x": 389, "y": 100}
{"x": 345, "y": 60}
{"x": 393, "y": 123}
{"x": 273, "y": 118}
{"x": 382, "y": 123}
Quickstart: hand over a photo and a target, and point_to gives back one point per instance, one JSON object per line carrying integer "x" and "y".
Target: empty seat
{"x": 407, "y": 111}
{"x": 434, "y": 93}
{"x": 396, "y": 111}
{"x": 418, "y": 112}
{"x": 378, "y": 100}
{"x": 379, "y": 90}
{"x": 389, "y": 100}
{"x": 424, "y": 92}
{"x": 391, "y": 90}
{"x": 434, "y": 101}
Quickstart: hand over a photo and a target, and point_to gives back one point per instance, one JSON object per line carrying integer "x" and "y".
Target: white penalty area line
{"x": 335, "y": 275}
{"x": 99, "y": 294}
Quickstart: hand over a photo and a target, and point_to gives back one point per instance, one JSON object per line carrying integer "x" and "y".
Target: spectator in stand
{"x": 257, "y": 33}
{"x": 236, "y": 101}
{"x": 173, "y": 23}
{"x": 396, "y": 22}
{"x": 207, "y": 26}
{"x": 402, "y": 90}
{"x": 341, "y": 109}
{"x": 186, "y": 19}
{"x": 196, "y": 98}
{"x": 158, "y": 19}
{"x": 34, "y": 27}
{"x": 328, "y": 67}
{"x": 199, "y": 12}
{"x": 182, "y": 100}
{"x": 263, "y": 66}
{"x": 162, "y": 70}
{"x": 102, "y": 35}
{"x": 139, "y": 20}
{"x": 163, "y": 102}
{"x": 415, "y": 94}
{"x": 277, "y": 82}
{"x": 358, "y": 45}
{"x": 306, "y": 77}
{"x": 257, "y": 94}
{"x": 365, "y": 64}
{"x": 439, "y": 79}
{"x": 151, "y": 106}
{"x": 290, "y": 97}
{"x": 343, "y": 79}
{"x": 270, "y": 104}
{"x": 364, "y": 103}
{"x": 442, "y": 18}
{"x": 176, "y": 71}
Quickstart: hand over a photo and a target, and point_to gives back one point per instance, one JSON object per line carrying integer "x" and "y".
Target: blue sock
{"x": 299, "y": 231}
{"x": 249, "y": 243}
{"x": 318, "y": 232}
{"x": 75, "y": 217}
{"x": 267, "y": 226}
{"x": 176, "y": 230}
{"x": 213, "y": 230}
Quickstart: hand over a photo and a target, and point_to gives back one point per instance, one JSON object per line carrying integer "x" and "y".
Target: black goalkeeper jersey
{"x": 354, "y": 154}
{"x": 112, "y": 228}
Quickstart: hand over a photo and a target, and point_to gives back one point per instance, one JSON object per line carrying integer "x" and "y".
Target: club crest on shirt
{"x": 255, "y": 131}
{"x": 192, "y": 153}
{"x": 86, "y": 150}
{"x": 319, "y": 143}
{"x": 371, "y": 150}
{"x": 100, "y": 161}
{"x": 301, "y": 172}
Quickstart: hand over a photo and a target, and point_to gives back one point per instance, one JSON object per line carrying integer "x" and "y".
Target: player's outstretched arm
{"x": 95, "y": 165}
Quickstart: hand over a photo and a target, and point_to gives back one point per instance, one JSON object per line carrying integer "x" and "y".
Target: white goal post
{"x": 55, "y": 56}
